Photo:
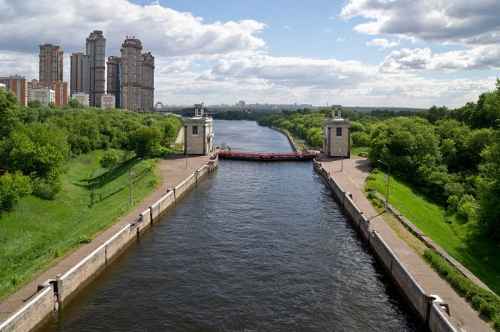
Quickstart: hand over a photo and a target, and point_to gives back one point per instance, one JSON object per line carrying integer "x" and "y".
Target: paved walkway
{"x": 352, "y": 179}
{"x": 172, "y": 171}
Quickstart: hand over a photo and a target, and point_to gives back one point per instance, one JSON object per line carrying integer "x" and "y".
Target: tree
{"x": 489, "y": 189}
{"x": 38, "y": 150}
{"x": 110, "y": 159}
{"x": 145, "y": 141}
{"x": 73, "y": 103}
{"x": 13, "y": 186}
{"x": 34, "y": 104}
{"x": 9, "y": 112}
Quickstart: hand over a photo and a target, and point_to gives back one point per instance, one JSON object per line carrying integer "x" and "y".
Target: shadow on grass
{"x": 110, "y": 175}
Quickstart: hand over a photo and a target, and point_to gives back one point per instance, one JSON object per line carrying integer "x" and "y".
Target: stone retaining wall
{"x": 60, "y": 291}
{"x": 428, "y": 309}
{"x": 33, "y": 313}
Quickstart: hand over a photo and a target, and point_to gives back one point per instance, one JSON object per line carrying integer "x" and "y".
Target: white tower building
{"x": 337, "y": 137}
{"x": 198, "y": 133}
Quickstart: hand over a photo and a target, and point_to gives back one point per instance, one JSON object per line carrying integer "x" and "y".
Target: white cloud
{"x": 463, "y": 21}
{"x": 219, "y": 62}
{"x": 382, "y": 43}
{"x": 27, "y": 23}
{"x": 482, "y": 57}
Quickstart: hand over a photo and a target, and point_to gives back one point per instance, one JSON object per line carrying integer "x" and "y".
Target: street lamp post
{"x": 388, "y": 179}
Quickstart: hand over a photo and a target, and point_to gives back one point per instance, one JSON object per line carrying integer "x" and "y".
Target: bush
{"x": 483, "y": 301}
{"x": 110, "y": 159}
{"x": 46, "y": 188}
{"x": 12, "y": 188}
{"x": 467, "y": 208}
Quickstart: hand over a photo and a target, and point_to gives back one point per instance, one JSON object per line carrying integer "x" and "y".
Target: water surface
{"x": 255, "y": 247}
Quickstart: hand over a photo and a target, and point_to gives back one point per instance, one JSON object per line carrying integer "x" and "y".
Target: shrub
{"x": 46, "y": 188}
{"x": 110, "y": 159}
{"x": 483, "y": 301}
{"x": 467, "y": 208}
{"x": 12, "y": 188}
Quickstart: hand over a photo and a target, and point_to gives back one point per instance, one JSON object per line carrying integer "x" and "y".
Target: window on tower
{"x": 339, "y": 131}
{"x": 195, "y": 130}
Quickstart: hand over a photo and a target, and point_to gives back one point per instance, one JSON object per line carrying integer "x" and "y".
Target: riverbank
{"x": 177, "y": 174}
{"x": 414, "y": 276}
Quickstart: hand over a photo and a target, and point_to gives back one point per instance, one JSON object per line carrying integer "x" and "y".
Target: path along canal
{"x": 255, "y": 247}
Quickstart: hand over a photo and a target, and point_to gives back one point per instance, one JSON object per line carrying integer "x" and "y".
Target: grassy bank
{"x": 461, "y": 240}
{"x": 38, "y": 231}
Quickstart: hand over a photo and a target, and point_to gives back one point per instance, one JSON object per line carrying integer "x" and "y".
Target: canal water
{"x": 255, "y": 247}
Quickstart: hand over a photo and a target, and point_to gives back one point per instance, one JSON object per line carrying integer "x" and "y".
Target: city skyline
{"x": 353, "y": 52}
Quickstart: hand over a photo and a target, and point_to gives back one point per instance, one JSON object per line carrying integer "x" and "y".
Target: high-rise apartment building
{"x": 79, "y": 78}
{"x": 136, "y": 77}
{"x": 113, "y": 81}
{"x": 51, "y": 63}
{"x": 96, "y": 52}
{"x": 18, "y": 86}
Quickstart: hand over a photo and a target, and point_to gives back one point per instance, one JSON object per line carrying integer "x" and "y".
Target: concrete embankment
{"x": 60, "y": 289}
{"x": 294, "y": 145}
{"x": 428, "y": 308}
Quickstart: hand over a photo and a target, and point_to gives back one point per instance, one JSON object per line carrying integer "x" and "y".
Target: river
{"x": 255, "y": 247}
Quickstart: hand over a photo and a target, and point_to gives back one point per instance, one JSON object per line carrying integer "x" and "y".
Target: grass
{"x": 361, "y": 151}
{"x": 461, "y": 240}
{"x": 38, "y": 231}
{"x": 485, "y": 302}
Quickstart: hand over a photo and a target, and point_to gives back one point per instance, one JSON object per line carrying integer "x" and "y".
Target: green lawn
{"x": 476, "y": 252}
{"x": 38, "y": 231}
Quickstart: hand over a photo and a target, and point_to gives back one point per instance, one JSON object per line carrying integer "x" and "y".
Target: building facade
{"x": 136, "y": 77}
{"x": 113, "y": 81}
{"x": 108, "y": 101}
{"x": 44, "y": 95}
{"x": 198, "y": 133}
{"x": 18, "y": 86}
{"x": 82, "y": 98}
{"x": 337, "y": 135}
{"x": 51, "y": 63}
{"x": 60, "y": 88}
{"x": 96, "y": 53}
{"x": 79, "y": 76}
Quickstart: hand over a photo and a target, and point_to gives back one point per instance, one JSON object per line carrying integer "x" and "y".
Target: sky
{"x": 400, "y": 53}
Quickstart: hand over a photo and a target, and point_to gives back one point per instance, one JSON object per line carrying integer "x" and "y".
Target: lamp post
{"x": 388, "y": 178}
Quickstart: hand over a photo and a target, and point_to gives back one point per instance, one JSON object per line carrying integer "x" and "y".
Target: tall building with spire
{"x": 51, "y": 63}
{"x": 96, "y": 53}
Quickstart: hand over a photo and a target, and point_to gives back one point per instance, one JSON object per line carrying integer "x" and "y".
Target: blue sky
{"x": 413, "y": 53}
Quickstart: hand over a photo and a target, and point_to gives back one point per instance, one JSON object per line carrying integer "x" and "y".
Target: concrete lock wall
{"x": 166, "y": 201}
{"x": 429, "y": 311}
{"x": 31, "y": 315}
{"x": 438, "y": 321}
{"x": 184, "y": 186}
{"x": 401, "y": 276}
{"x": 81, "y": 273}
{"x": 117, "y": 243}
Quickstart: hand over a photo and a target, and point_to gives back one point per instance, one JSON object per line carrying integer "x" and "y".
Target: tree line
{"x": 452, "y": 156}
{"x": 36, "y": 142}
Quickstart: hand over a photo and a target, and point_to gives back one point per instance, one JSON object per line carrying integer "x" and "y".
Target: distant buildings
{"x": 51, "y": 63}
{"x": 50, "y": 76}
{"x": 113, "y": 82}
{"x": 82, "y": 98}
{"x": 43, "y": 95}
{"x": 136, "y": 76}
{"x": 108, "y": 101}
{"x": 79, "y": 75}
{"x": 60, "y": 89}
{"x": 96, "y": 52}
{"x": 18, "y": 86}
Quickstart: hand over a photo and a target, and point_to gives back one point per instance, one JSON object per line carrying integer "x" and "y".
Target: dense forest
{"x": 452, "y": 156}
{"x": 36, "y": 142}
